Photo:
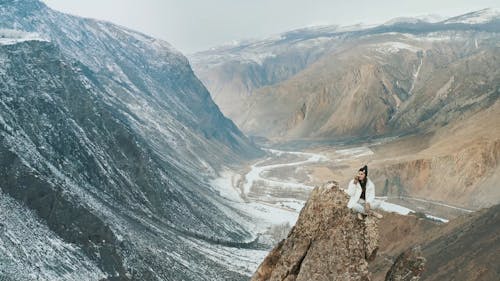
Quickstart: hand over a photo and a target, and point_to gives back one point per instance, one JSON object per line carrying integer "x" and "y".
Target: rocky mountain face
{"x": 147, "y": 79}
{"x": 389, "y": 79}
{"x": 458, "y": 164}
{"x": 409, "y": 265}
{"x": 107, "y": 142}
{"x": 467, "y": 249}
{"x": 329, "y": 242}
{"x": 233, "y": 73}
{"x": 463, "y": 249}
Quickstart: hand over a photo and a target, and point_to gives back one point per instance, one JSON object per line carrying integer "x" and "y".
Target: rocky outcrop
{"x": 328, "y": 242}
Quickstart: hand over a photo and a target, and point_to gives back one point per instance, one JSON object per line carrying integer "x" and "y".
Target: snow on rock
{"x": 394, "y": 47}
{"x": 138, "y": 105}
{"x": 256, "y": 172}
{"x": 355, "y": 152}
{"x": 12, "y": 36}
{"x": 225, "y": 186}
{"x": 477, "y": 17}
{"x": 241, "y": 260}
{"x": 414, "y": 20}
{"x": 394, "y": 208}
{"x": 29, "y": 250}
{"x": 402, "y": 20}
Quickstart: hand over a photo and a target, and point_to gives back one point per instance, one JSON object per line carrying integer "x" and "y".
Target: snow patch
{"x": 394, "y": 47}
{"x": 436, "y": 218}
{"x": 29, "y": 250}
{"x": 225, "y": 185}
{"x": 394, "y": 208}
{"x": 355, "y": 152}
{"x": 398, "y": 209}
{"x": 12, "y": 36}
{"x": 415, "y": 76}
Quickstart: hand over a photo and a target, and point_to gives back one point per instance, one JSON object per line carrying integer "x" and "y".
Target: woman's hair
{"x": 365, "y": 170}
{"x": 363, "y": 182}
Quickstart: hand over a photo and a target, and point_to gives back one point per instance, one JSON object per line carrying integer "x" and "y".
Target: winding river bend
{"x": 256, "y": 176}
{"x": 256, "y": 171}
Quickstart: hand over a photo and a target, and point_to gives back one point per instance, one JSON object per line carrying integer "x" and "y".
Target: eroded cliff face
{"x": 328, "y": 242}
{"x": 457, "y": 164}
{"x": 456, "y": 178}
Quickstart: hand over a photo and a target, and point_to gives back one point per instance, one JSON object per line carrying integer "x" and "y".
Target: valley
{"x": 417, "y": 101}
{"x": 272, "y": 191}
{"x": 123, "y": 159}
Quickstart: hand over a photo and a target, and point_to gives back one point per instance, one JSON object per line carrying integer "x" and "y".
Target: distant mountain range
{"x": 334, "y": 82}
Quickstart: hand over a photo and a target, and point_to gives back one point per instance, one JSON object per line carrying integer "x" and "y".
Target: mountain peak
{"x": 403, "y": 20}
{"x": 429, "y": 18}
{"x": 476, "y": 17}
{"x": 23, "y": 5}
{"x": 22, "y": 2}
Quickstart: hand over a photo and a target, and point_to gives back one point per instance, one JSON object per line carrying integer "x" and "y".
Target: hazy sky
{"x": 194, "y": 25}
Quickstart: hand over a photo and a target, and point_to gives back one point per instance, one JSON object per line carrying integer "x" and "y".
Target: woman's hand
{"x": 356, "y": 179}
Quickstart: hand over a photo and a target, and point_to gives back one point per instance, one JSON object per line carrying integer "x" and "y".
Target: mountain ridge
{"x": 237, "y": 73}
{"x": 110, "y": 141}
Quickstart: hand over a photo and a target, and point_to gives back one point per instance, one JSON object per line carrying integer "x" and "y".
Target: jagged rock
{"x": 371, "y": 237}
{"x": 408, "y": 266}
{"x": 328, "y": 242}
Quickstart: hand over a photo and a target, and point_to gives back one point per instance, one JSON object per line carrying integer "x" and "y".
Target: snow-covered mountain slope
{"x": 146, "y": 77}
{"x": 477, "y": 17}
{"x": 110, "y": 140}
{"x": 77, "y": 163}
{"x": 30, "y": 250}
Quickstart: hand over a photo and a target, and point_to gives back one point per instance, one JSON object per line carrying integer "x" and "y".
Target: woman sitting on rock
{"x": 361, "y": 191}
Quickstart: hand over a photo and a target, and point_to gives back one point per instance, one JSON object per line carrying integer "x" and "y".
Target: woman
{"x": 361, "y": 191}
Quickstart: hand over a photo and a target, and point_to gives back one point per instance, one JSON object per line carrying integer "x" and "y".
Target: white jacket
{"x": 354, "y": 191}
